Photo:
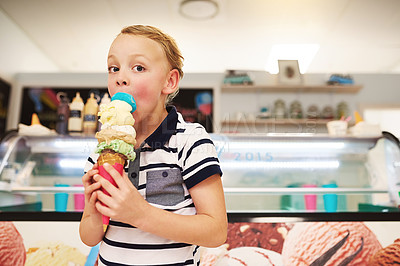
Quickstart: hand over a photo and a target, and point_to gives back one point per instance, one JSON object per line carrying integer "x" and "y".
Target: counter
{"x": 261, "y": 173}
{"x": 253, "y": 238}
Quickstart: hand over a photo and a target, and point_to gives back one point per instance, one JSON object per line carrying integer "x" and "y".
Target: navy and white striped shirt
{"x": 175, "y": 158}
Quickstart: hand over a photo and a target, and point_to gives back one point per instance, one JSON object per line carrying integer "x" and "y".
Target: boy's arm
{"x": 208, "y": 197}
{"x": 207, "y": 228}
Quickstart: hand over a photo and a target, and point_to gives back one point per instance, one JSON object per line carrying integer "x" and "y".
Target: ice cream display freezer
{"x": 261, "y": 173}
{"x": 309, "y": 173}
{"x": 291, "y": 199}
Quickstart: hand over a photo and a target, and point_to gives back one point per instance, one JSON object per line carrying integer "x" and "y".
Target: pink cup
{"x": 79, "y": 200}
{"x": 310, "y": 199}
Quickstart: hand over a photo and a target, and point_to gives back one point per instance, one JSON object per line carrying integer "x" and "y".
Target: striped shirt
{"x": 175, "y": 158}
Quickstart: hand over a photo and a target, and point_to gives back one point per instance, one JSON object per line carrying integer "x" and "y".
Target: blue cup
{"x": 330, "y": 200}
{"x": 61, "y": 199}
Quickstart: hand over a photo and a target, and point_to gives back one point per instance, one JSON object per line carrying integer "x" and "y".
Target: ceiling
{"x": 354, "y": 36}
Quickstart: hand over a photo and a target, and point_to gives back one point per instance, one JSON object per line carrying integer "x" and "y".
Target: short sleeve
{"x": 92, "y": 159}
{"x": 199, "y": 157}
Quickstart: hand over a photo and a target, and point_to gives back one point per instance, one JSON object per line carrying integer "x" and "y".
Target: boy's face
{"x": 138, "y": 66}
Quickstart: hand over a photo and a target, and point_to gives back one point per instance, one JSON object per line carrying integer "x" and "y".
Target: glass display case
{"x": 35, "y": 170}
{"x": 261, "y": 173}
{"x": 309, "y": 173}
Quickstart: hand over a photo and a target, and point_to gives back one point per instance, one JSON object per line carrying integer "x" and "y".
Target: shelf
{"x": 227, "y": 190}
{"x": 273, "y": 121}
{"x": 42, "y": 189}
{"x": 292, "y": 88}
{"x": 292, "y": 191}
{"x": 234, "y": 216}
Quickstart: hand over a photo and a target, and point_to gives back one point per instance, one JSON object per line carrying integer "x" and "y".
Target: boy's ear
{"x": 172, "y": 82}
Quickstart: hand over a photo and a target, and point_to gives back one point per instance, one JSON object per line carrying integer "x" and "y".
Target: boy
{"x": 170, "y": 199}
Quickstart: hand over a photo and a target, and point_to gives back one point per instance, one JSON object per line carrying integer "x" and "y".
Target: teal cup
{"x": 330, "y": 200}
{"x": 61, "y": 199}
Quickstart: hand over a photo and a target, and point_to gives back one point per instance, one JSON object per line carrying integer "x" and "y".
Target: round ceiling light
{"x": 198, "y": 9}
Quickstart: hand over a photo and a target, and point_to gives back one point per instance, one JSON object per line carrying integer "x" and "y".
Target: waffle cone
{"x": 111, "y": 158}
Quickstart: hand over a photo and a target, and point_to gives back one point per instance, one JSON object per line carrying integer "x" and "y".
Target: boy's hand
{"x": 125, "y": 203}
{"x": 91, "y": 187}
{"x": 91, "y": 227}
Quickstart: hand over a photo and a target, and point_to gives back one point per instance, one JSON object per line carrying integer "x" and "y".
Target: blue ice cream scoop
{"x": 123, "y": 96}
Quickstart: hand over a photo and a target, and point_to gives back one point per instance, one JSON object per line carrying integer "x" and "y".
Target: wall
{"x": 29, "y": 57}
{"x": 378, "y": 89}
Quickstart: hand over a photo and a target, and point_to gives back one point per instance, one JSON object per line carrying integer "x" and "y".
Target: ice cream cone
{"x": 116, "y": 137}
{"x": 117, "y": 161}
{"x": 108, "y": 156}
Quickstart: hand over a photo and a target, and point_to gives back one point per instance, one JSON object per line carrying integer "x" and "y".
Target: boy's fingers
{"x": 105, "y": 184}
{"x": 93, "y": 171}
{"x": 93, "y": 198}
{"x": 103, "y": 198}
{"x": 119, "y": 180}
{"x": 86, "y": 178}
{"x": 101, "y": 208}
{"x": 104, "y": 204}
{"x": 92, "y": 188}
{"x": 110, "y": 169}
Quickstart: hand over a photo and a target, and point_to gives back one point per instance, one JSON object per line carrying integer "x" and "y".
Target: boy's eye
{"x": 138, "y": 68}
{"x": 113, "y": 69}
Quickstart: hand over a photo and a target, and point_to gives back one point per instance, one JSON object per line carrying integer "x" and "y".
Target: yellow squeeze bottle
{"x": 104, "y": 101}
{"x": 90, "y": 116}
{"x": 75, "y": 115}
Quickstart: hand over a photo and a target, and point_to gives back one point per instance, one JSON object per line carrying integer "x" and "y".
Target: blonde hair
{"x": 168, "y": 44}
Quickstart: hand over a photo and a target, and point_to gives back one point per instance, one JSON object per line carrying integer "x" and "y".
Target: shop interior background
{"x": 71, "y": 39}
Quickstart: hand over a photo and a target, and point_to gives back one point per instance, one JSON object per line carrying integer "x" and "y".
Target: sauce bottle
{"x": 105, "y": 100}
{"x": 75, "y": 114}
{"x": 90, "y": 116}
{"x": 62, "y": 114}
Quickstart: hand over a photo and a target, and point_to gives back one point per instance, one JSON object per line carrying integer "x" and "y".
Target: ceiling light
{"x": 304, "y": 53}
{"x": 198, "y": 9}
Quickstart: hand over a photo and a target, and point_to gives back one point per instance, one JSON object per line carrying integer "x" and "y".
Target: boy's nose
{"x": 122, "y": 80}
